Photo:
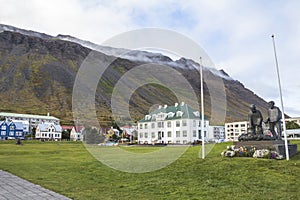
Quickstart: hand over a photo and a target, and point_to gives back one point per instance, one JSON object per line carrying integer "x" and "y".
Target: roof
{"x": 173, "y": 112}
{"x": 28, "y": 116}
{"x": 19, "y": 125}
{"x": 44, "y": 127}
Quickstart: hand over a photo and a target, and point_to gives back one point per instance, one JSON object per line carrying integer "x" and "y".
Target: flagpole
{"x": 280, "y": 92}
{"x": 202, "y": 109}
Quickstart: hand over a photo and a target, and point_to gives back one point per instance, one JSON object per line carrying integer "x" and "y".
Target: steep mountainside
{"x": 37, "y": 74}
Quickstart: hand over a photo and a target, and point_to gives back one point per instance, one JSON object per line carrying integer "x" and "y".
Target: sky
{"x": 236, "y": 34}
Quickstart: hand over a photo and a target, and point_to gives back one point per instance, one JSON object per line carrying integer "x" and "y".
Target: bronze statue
{"x": 274, "y": 120}
{"x": 255, "y": 121}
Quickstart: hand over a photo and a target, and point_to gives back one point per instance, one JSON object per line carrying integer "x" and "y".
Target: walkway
{"x": 15, "y": 188}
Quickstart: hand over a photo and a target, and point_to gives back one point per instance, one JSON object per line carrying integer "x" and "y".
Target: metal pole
{"x": 202, "y": 109}
{"x": 283, "y": 117}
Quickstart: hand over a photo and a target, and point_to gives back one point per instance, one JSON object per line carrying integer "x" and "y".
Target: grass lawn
{"x": 69, "y": 169}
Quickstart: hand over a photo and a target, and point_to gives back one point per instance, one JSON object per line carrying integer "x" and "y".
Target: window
{"x": 184, "y": 122}
{"x": 152, "y": 125}
{"x": 177, "y": 141}
{"x": 194, "y": 123}
{"x": 3, "y": 132}
{"x": 177, "y": 133}
{"x": 11, "y": 133}
{"x": 146, "y": 135}
{"x": 184, "y": 142}
{"x": 146, "y": 126}
{"x": 141, "y": 126}
{"x": 18, "y": 133}
{"x": 3, "y": 127}
{"x": 159, "y": 135}
{"x": 177, "y": 123}
{"x": 170, "y": 115}
{"x": 141, "y": 135}
{"x": 169, "y": 134}
{"x": 179, "y": 113}
{"x": 169, "y": 124}
{"x": 12, "y": 128}
{"x": 184, "y": 133}
{"x": 194, "y": 133}
{"x": 160, "y": 124}
{"x": 153, "y": 135}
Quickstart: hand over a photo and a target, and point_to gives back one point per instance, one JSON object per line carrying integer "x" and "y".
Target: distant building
{"x": 48, "y": 131}
{"x": 235, "y": 129}
{"x": 178, "y": 124}
{"x": 217, "y": 133}
{"x": 76, "y": 133}
{"x": 129, "y": 132}
{"x": 29, "y": 121}
{"x": 11, "y": 130}
{"x": 293, "y": 119}
{"x": 293, "y": 133}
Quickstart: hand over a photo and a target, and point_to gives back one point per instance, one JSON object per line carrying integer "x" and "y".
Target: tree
{"x": 92, "y": 136}
{"x": 65, "y": 135}
{"x": 292, "y": 125}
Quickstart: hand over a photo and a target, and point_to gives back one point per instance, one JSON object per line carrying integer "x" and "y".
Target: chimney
{"x": 182, "y": 103}
{"x": 176, "y": 104}
{"x": 165, "y": 106}
{"x": 48, "y": 114}
{"x": 159, "y": 107}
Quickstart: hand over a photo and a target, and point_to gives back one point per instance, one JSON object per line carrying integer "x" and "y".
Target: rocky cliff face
{"x": 37, "y": 74}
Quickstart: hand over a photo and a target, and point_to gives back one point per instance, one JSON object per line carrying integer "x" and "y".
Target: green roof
{"x": 28, "y": 116}
{"x": 187, "y": 113}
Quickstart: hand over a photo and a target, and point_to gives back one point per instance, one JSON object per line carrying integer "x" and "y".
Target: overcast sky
{"x": 236, "y": 34}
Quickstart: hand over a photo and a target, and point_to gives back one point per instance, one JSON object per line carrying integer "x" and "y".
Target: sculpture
{"x": 274, "y": 120}
{"x": 255, "y": 121}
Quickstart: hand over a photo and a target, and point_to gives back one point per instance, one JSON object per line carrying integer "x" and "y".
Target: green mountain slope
{"x": 37, "y": 76}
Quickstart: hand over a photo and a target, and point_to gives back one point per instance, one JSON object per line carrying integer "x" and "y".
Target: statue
{"x": 274, "y": 117}
{"x": 255, "y": 121}
{"x": 255, "y": 126}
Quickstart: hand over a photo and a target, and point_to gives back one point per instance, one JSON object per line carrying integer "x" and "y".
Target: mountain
{"x": 37, "y": 74}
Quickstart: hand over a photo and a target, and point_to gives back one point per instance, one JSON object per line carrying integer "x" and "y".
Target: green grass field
{"x": 69, "y": 169}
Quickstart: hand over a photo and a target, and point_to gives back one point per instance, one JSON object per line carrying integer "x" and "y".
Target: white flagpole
{"x": 202, "y": 109}
{"x": 283, "y": 117}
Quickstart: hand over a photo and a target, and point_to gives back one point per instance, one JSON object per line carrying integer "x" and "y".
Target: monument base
{"x": 275, "y": 145}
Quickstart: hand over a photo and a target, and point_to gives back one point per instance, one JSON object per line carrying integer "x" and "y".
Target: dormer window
{"x": 171, "y": 114}
{"x": 154, "y": 117}
{"x": 179, "y": 113}
{"x": 197, "y": 114}
{"x": 147, "y": 117}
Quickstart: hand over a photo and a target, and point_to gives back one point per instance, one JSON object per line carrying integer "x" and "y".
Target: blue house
{"x": 11, "y": 130}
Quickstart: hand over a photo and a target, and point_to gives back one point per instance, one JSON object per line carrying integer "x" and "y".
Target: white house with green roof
{"x": 178, "y": 124}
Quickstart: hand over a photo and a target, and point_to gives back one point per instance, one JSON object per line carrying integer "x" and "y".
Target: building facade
{"x": 235, "y": 129}
{"x": 217, "y": 133}
{"x": 48, "y": 132}
{"x": 178, "y": 124}
{"x": 293, "y": 119}
{"x": 11, "y": 130}
{"x": 29, "y": 121}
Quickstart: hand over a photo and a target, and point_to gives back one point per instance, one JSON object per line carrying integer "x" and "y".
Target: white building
{"x": 293, "y": 133}
{"x": 217, "y": 133}
{"x": 48, "y": 131}
{"x": 293, "y": 119}
{"x": 178, "y": 124}
{"x": 235, "y": 129}
{"x": 76, "y": 133}
{"x": 29, "y": 121}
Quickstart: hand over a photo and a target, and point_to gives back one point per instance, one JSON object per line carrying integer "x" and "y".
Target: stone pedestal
{"x": 275, "y": 145}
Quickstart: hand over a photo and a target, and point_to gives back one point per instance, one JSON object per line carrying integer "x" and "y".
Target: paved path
{"x": 15, "y": 188}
